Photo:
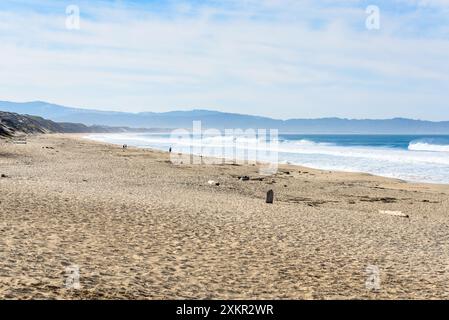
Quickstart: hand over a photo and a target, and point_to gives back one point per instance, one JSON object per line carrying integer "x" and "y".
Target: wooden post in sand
{"x": 270, "y": 196}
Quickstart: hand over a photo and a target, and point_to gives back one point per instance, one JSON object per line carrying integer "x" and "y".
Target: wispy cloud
{"x": 280, "y": 58}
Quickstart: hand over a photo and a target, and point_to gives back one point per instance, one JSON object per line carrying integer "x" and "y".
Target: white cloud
{"x": 281, "y": 58}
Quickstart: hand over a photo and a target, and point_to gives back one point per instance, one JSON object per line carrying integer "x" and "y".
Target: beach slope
{"x": 135, "y": 226}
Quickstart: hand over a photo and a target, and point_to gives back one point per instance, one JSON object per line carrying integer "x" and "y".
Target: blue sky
{"x": 279, "y": 58}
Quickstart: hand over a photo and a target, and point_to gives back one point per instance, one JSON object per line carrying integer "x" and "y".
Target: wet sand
{"x": 139, "y": 227}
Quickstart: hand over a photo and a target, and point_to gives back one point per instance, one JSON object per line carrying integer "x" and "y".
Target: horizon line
{"x": 94, "y": 109}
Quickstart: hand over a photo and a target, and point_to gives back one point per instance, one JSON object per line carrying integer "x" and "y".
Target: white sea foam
{"x": 422, "y": 146}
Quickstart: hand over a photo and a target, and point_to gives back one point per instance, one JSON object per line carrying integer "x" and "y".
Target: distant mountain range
{"x": 220, "y": 120}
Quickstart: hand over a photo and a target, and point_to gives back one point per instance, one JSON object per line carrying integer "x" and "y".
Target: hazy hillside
{"x": 13, "y": 124}
{"x": 220, "y": 120}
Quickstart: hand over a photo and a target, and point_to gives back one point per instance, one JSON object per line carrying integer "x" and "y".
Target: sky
{"x": 277, "y": 58}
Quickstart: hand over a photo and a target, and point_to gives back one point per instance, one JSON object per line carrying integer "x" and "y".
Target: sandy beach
{"x": 139, "y": 227}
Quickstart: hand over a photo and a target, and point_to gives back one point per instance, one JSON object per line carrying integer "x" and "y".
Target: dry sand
{"x": 139, "y": 227}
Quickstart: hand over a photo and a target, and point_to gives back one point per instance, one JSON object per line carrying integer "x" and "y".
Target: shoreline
{"x": 286, "y": 165}
{"x": 139, "y": 227}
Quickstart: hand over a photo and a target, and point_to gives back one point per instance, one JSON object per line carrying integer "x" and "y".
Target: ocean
{"x": 414, "y": 158}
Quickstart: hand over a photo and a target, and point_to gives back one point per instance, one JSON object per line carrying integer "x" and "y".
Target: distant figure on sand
{"x": 125, "y": 146}
{"x": 169, "y": 150}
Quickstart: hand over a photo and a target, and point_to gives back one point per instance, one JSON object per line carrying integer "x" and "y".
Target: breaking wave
{"x": 426, "y": 145}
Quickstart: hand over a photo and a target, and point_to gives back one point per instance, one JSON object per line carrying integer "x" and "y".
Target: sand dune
{"x": 139, "y": 227}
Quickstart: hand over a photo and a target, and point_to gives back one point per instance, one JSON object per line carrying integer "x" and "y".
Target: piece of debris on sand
{"x": 395, "y": 213}
{"x": 270, "y": 196}
{"x": 212, "y": 182}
